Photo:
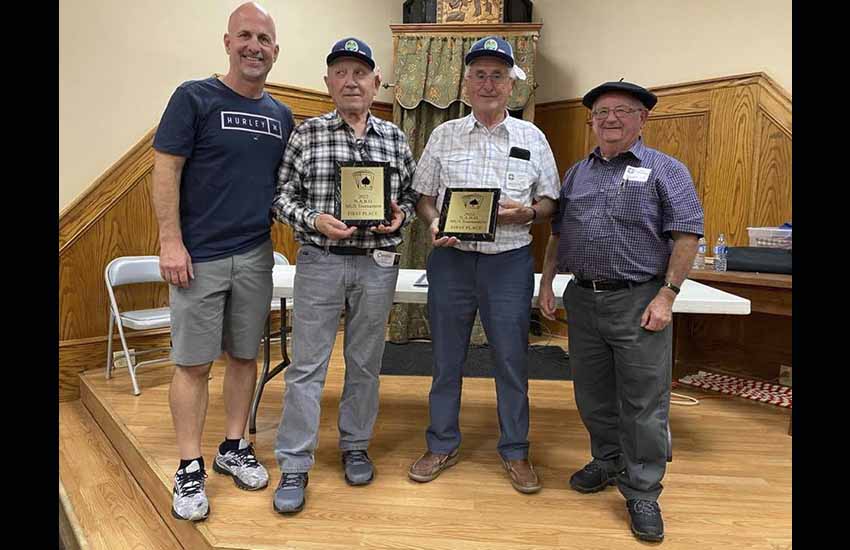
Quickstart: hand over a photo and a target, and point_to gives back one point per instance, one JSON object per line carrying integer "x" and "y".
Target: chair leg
{"x": 261, "y": 382}
{"x": 131, "y": 368}
{"x": 109, "y": 359}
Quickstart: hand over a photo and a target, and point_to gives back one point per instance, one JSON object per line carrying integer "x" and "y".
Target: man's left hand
{"x": 398, "y": 219}
{"x": 513, "y": 212}
{"x": 658, "y": 313}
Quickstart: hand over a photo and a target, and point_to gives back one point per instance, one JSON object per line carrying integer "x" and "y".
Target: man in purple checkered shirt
{"x": 630, "y": 219}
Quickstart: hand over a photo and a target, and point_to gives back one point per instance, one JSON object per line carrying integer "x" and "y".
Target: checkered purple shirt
{"x": 616, "y": 229}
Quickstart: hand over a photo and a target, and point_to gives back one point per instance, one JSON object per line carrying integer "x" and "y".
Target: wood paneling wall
{"x": 114, "y": 217}
{"x": 733, "y": 134}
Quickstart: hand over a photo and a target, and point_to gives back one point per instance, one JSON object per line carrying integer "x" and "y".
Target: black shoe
{"x": 646, "y": 519}
{"x": 592, "y": 478}
{"x": 358, "y": 467}
{"x": 289, "y": 497}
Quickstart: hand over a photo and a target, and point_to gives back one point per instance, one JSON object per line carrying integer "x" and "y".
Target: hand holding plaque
{"x": 364, "y": 193}
{"x": 469, "y": 214}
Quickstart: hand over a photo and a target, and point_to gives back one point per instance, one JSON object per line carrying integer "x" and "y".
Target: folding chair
{"x": 268, "y": 336}
{"x": 132, "y": 270}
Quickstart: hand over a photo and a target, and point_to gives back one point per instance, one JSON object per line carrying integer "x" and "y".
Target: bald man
{"x": 216, "y": 154}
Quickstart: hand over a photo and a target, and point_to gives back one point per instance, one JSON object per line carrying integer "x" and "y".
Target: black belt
{"x": 356, "y": 251}
{"x": 608, "y": 284}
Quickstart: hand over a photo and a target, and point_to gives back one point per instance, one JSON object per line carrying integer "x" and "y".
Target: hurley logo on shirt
{"x": 247, "y": 122}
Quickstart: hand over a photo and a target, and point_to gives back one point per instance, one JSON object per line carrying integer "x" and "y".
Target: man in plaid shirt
{"x": 488, "y": 148}
{"x": 338, "y": 267}
{"x": 627, "y": 229}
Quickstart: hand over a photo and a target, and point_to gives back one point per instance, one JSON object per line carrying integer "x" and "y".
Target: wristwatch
{"x": 671, "y": 286}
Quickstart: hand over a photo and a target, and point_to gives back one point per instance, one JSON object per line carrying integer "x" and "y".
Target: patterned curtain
{"x": 429, "y": 91}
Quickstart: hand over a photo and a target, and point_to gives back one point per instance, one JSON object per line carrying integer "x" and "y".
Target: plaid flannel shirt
{"x": 307, "y": 177}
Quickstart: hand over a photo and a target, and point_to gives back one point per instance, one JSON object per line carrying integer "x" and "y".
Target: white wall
{"x": 655, "y": 42}
{"x": 120, "y": 60}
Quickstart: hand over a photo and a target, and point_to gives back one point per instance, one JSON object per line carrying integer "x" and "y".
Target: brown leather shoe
{"x": 523, "y": 477}
{"x": 429, "y": 466}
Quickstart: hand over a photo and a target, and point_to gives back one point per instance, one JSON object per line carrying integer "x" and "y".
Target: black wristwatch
{"x": 671, "y": 286}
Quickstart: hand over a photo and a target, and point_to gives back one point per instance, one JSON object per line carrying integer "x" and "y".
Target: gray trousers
{"x": 622, "y": 376}
{"x": 325, "y": 284}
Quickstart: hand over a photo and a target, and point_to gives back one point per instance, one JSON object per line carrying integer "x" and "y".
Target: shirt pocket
{"x": 519, "y": 180}
{"x": 636, "y": 202}
{"x": 458, "y": 171}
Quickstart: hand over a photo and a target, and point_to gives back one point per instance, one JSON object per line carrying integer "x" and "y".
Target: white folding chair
{"x": 132, "y": 270}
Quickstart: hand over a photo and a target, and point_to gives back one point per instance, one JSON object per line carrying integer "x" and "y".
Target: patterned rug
{"x": 757, "y": 390}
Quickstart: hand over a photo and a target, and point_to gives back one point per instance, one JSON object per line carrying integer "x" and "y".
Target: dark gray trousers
{"x": 622, "y": 376}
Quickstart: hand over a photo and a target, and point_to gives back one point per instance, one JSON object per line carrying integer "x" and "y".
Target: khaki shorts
{"x": 224, "y": 308}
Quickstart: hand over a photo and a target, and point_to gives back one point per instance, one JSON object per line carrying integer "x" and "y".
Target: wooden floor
{"x": 728, "y": 487}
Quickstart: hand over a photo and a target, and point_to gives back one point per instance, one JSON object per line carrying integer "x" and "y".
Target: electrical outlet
{"x": 785, "y": 375}
{"x": 118, "y": 360}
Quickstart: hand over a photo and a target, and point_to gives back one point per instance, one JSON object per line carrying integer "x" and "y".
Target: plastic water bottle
{"x": 720, "y": 254}
{"x": 699, "y": 259}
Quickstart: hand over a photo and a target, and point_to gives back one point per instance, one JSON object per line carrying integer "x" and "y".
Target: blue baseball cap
{"x": 494, "y": 46}
{"x": 352, "y": 47}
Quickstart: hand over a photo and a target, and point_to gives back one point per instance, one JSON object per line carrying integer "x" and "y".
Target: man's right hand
{"x": 332, "y": 228}
{"x": 442, "y": 241}
{"x": 546, "y": 301}
{"x": 175, "y": 264}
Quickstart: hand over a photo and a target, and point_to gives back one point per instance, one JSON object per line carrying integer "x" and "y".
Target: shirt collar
{"x": 471, "y": 123}
{"x": 637, "y": 150}
{"x": 372, "y": 123}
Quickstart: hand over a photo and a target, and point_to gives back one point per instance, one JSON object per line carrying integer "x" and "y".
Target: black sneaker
{"x": 592, "y": 478}
{"x": 358, "y": 467}
{"x": 289, "y": 497}
{"x": 646, "y": 519}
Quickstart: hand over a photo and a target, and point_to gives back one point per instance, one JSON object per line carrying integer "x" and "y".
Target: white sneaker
{"x": 190, "y": 498}
{"x": 242, "y": 465}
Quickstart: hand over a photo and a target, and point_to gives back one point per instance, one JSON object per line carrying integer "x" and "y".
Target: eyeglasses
{"x": 619, "y": 112}
{"x": 481, "y": 78}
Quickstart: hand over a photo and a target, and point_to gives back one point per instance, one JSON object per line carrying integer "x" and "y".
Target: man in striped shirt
{"x": 488, "y": 148}
{"x": 339, "y": 267}
{"x": 627, "y": 229}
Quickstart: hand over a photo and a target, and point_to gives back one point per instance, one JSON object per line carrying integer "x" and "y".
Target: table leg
{"x": 265, "y": 375}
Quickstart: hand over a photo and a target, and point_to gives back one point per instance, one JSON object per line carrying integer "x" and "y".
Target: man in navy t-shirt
{"x": 217, "y": 150}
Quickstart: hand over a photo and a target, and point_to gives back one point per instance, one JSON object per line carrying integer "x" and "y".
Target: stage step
{"x": 101, "y": 506}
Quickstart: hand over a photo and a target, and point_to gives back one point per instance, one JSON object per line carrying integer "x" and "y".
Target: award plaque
{"x": 364, "y": 193}
{"x": 469, "y": 214}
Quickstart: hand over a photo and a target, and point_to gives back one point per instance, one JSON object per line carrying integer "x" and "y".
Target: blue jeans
{"x": 500, "y": 287}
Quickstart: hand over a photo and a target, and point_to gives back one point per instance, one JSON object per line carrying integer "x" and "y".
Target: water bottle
{"x": 699, "y": 259}
{"x": 720, "y": 254}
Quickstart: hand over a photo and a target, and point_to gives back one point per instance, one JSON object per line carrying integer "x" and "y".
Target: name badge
{"x": 633, "y": 173}
{"x": 517, "y": 180}
{"x": 386, "y": 259}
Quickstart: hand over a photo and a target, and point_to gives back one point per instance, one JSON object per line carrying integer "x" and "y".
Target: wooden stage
{"x": 729, "y": 485}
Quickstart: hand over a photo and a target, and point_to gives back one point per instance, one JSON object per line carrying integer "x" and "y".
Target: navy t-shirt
{"x": 233, "y": 146}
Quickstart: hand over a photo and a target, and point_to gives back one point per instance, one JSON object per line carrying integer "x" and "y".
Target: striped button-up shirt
{"x": 307, "y": 183}
{"x": 617, "y": 227}
{"x": 464, "y": 153}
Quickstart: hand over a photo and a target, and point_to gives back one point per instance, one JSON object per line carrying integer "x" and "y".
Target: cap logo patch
{"x": 491, "y": 45}
{"x": 352, "y": 46}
